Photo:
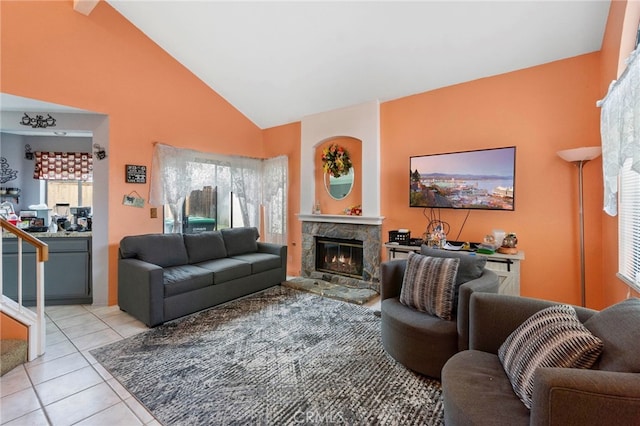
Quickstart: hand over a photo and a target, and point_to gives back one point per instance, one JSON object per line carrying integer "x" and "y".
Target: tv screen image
{"x": 480, "y": 179}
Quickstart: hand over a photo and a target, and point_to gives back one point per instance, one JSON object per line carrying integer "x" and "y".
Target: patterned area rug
{"x": 280, "y": 357}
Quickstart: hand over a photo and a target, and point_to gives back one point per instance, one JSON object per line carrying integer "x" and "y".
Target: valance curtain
{"x": 63, "y": 166}
{"x": 620, "y": 129}
{"x": 175, "y": 172}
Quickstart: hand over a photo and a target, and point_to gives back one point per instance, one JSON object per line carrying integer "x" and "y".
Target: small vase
{"x": 510, "y": 241}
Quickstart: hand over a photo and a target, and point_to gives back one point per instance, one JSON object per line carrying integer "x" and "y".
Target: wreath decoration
{"x": 336, "y": 160}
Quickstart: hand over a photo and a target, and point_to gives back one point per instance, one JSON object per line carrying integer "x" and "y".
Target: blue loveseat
{"x": 165, "y": 276}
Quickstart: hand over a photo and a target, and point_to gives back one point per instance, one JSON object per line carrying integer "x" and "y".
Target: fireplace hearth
{"x": 339, "y": 256}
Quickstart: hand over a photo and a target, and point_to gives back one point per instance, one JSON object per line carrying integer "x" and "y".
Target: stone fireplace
{"x": 342, "y": 239}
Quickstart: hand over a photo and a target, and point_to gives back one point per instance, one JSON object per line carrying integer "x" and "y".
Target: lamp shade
{"x": 584, "y": 153}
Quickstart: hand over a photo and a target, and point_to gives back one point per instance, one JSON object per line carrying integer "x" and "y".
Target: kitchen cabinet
{"x": 67, "y": 273}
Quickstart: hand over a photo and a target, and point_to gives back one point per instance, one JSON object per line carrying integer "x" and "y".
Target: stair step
{"x": 13, "y": 352}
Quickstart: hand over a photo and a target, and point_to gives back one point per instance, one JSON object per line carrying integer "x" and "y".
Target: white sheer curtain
{"x": 168, "y": 179}
{"x": 620, "y": 129}
{"x": 246, "y": 186}
{"x": 274, "y": 195}
{"x": 175, "y": 172}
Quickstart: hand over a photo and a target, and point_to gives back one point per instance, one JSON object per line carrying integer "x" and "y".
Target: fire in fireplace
{"x": 339, "y": 256}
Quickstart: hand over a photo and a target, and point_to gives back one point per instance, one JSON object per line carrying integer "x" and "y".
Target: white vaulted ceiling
{"x": 277, "y": 62}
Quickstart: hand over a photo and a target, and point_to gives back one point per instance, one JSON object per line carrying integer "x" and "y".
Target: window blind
{"x": 629, "y": 226}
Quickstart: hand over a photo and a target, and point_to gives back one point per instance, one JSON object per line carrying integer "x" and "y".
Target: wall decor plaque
{"x": 136, "y": 174}
{"x": 133, "y": 199}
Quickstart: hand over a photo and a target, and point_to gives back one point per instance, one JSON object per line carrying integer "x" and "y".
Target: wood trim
{"x": 42, "y": 249}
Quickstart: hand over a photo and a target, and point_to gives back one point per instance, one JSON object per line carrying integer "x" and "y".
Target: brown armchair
{"x": 476, "y": 390}
{"x": 417, "y": 340}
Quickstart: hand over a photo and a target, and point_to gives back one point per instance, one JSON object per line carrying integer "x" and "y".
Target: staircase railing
{"x": 34, "y": 321}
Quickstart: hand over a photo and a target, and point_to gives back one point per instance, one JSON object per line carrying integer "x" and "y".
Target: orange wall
{"x": 285, "y": 140}
{"x": 102, "y": 63}
{"x": 618, "y": 42}
{"x": 540, "y": 110}
{"x": 12, "y": 329}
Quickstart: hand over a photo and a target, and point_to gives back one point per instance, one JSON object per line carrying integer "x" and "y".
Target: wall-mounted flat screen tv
{"x": 481, "y": 179}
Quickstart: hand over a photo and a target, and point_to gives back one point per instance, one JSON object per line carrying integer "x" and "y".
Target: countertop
{"x": 63, "y": 234}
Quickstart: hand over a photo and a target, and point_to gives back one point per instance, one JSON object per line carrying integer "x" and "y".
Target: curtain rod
{"x": 633, "y": 56}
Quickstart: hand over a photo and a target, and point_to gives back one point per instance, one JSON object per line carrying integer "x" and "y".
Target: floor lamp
{"x": 579, "y": 157}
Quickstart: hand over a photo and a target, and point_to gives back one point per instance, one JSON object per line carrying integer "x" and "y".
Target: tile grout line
{"x": 60, "y": 329}
{"x": 33, "y": 388}
{"x": 103, "y": 380}
{"x": 33, "y": 385}
{"x": 116, "y": 380}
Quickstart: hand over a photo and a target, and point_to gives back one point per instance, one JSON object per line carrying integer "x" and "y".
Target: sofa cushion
{"x": 226, "y": 269}
{"x": 471, "y": 267}
{"x": 552, "y": 337}
{"x": 618, "y": 327}
{"x": 476, "y": 391}
{"x": 160, "y": 249}
{"x": 240, "y": 240}
{"x": 260, "y": 262}
{"x": 207, "y": 245}
{"x": 428, "y": 284}
{"x": 185, "y": 278}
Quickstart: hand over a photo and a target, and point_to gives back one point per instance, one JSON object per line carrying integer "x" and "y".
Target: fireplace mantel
{"x": 341, "y": 218}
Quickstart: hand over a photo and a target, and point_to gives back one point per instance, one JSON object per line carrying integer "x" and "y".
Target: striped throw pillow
{"x": 429, "y": 284}
{"x": 552, "y": 337}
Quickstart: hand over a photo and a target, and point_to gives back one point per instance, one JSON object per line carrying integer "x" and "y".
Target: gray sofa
{"x": 165, "y": 276}
{"x": 477, "y": 391}
{"x": 419, "y": 341}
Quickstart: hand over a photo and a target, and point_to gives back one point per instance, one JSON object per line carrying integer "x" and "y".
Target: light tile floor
{"x": 66, "y": 386}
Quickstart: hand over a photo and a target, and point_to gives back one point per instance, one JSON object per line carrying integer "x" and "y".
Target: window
{"x": 620, "y": 130}
{"x": 73, "y": 192}
{"x": 67, "y": 177}
{"x": 246, "y": 189}
{"x": 629, "y": 226}
{"x": 210, "y": 200}
{"x": 199, "y": 213}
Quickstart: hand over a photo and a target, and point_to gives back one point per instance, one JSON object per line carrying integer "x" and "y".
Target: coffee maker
{"x": 61, "y": 216}
{"x": 81, "y": 218}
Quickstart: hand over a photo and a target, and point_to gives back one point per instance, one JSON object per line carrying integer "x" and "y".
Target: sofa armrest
{"x": 277, "y": 249}
{"x": 391, "y": 277}
{"x": 488, "y": 282}
{"x": 577, "y": 396}
{"x": 493, "y": 317}
{"x": 141, "y": 290}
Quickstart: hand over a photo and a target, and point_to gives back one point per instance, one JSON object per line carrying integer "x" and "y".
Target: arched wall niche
{"x": 361, "y": 122}
{"x": 329, "y": 205}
